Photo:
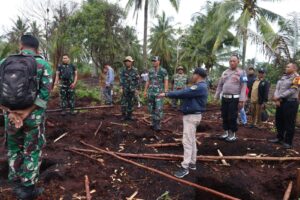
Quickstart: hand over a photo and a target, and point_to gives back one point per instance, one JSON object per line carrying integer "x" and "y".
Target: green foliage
{"x": 85, "y": 91}
{"x": 162, "y": 41}
{"x": 204, "y": 43}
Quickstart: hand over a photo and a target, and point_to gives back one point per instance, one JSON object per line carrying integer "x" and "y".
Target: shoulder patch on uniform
{"x": 296, "y": 81}
{"x": 194, "y": 87}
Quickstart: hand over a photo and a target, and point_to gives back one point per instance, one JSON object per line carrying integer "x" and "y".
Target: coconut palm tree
{"x": 146, "y": 6}
{"x": 161, "y": 41}
{"x": 206, "y": 49}
{"x": 245, "y": 12}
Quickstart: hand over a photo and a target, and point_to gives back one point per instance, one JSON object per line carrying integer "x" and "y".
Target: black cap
{"x": 201, "y": 72}
{"x": 30, "y": 41}
{"x": 261, "y": 70}
{"x": 155, "y": 58}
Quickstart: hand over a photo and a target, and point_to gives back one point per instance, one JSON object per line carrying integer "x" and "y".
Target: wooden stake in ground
{"x": 298, "y": 183}
{"x": 223, "y": 160}
{"x": 60, "y": 137}
{"x": 216, "y": 193}
{"x": 98, "y": 129}
{"x": 87, "y": 188}
{"x": 288, "y": 191}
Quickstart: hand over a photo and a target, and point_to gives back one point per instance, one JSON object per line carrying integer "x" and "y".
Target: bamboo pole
{"x": 288, "y": 191}
{"x": 209, "y": 190}
{"x": 98, "y": 129}
{"x": 80, "y": 108}
{"x": 298, "y": 183}
{"x": 164, "y": 144}
{"x": 87, "y": 188}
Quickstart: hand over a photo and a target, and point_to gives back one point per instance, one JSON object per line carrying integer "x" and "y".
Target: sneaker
{"x": 192, "y": 166}
{"x": 63, "y": 113}
{"x": 182, "y": 172}
{"x": 224, "y": 135}
{"x": 73, "y": 112}
{"x": 231, "y": 137}
{"x": 275, "y": 140}
{"x": 286, "y": 145}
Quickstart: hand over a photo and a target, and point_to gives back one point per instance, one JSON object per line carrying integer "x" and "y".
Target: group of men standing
{"x": 25, "y": 124}
{"x": 232, "y": 89}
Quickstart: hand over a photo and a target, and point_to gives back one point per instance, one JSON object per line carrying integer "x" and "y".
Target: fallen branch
{"x": 170, "y": 157}
{"x": 209, "y": 190}
{"x": 87, "y": 188}
{"x": 166, "y": 120}
{"x": 60, "y": 137}
{"x": 254, "y": 139}
{"x": 132, "y": 196}
{"x": 288, "y": 191}
{"x": 80, "y": 108}
{"x": 223, "y": 160}
{"x": 164, "y": 145}
{"x": 98, "y": 129}
{"x": 114, "y": 123}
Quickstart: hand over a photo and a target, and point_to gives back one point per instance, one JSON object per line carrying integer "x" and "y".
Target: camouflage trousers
{"x": 155, "y": 107}
{"x": 67, "y": 97}
{"x": 128, "y": 100}
{"x": 24, "y": 151}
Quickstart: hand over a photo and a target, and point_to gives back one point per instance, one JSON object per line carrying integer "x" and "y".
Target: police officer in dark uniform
{"x": 286, "y": 100}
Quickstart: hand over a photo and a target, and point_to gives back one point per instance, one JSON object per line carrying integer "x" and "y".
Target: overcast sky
{"x": 12, "y": 8}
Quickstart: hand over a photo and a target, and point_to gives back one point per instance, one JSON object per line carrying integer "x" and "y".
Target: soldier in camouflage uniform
{"x": 66, "y": 74}
{"x": 156, "y": 84}
{"x": 25, "y": 130}
{"x": 180, "y": 81}
{"x": 129, "y": 79}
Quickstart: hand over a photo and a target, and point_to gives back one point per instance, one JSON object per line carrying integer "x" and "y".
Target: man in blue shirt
{"x": 194, "y": 102}
{"x": 110, "y": 78}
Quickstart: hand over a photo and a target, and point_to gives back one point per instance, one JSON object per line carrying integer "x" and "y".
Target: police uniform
{"x": 287, "y": 90}
{"x": 232, "y": 86}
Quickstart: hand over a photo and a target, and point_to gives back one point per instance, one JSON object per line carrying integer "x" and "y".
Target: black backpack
{"x": 66, "y": 73}
{"x": 18, "y": 81}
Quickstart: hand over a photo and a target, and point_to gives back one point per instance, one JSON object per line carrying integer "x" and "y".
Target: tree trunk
{"x": 145, "y": 34}
{"x": 245, "y": 37}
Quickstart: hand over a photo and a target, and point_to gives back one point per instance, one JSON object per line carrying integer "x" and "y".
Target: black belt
{"x": 289, "y": 100}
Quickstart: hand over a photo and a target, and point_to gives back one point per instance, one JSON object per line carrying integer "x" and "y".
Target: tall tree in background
{"x": 248, "y": 12}
{"x": 20, "y": 27}
{"x": 205, "y": 44}
{"x": 161, "y": 41}
{"x": 146, "y": 6}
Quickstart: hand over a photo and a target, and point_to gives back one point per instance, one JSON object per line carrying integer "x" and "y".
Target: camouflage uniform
{"x": 67, "y": 94}
{"x": 156, "y": 86}
{"x": 179, "y": 82}
{"x": 129, "y": 79}
{"x": 25, "y": 144}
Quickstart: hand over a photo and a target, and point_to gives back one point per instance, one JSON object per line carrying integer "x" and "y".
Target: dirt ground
{"x": 62, "y": 172}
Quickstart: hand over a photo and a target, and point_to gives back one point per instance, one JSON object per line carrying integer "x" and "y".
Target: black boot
{"x": 124, "y": 117}
{"x": 129, "y": 117}
{"x": 156, "y": 125}
{"x": 27, "y": 192}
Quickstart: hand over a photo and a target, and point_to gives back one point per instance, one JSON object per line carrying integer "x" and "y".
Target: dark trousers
{"x": 229, "y": 111}
{"x": 285, "y": 120}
